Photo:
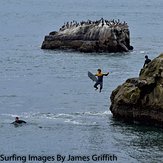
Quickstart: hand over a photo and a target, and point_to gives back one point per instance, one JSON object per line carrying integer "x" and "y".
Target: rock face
{"x": 140, "y": 100}
{"x": 90, "y": 36}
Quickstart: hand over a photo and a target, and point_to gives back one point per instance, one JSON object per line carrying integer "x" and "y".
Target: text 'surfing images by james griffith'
{"x": 58, "y": 158}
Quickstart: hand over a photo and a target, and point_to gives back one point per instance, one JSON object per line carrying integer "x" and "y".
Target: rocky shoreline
{"x": 91, "y": 36}
{"x": 140, "y": 100}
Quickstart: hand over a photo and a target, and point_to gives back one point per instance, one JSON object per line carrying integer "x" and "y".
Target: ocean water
{"x": 51, "y": 91}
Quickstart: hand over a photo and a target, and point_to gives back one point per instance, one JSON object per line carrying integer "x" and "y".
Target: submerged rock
{"x": 140, "y": 100}
{"x": 90, "y": 36}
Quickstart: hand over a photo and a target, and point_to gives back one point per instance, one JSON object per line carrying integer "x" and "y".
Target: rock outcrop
{"x": 90, "y": 36}
{"x": 140, "y": 100}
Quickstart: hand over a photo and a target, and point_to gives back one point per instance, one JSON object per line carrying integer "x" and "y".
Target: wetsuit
{"x": 19, "y": 122}
{"x": 146, "y": 62}
{"x": 100, "y": 80}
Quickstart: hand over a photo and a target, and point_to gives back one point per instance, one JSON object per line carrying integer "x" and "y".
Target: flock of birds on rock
{"x": 102, "y": 22}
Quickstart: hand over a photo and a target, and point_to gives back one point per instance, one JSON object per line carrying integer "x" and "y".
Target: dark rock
{"x": 130, "y": 47}
{"x": 90, "y": 37}
{"x": 52, "y": 44}
{"x": 53, "y": 33}
{"x": 140, "y": 99}
{"x": 123, "y": 47}
{"x": 75, "y": 44}
{"x": 87, "y": 47}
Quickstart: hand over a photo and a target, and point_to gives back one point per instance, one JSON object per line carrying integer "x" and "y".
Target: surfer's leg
{"x": 101, "y": 84}
{"x": 96, "y": 85}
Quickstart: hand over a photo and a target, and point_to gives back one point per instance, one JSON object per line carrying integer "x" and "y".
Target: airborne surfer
{"x": 100, "y": 79}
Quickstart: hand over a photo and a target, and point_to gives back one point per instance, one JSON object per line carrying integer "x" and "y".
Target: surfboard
{"x": 17, "y": 124}
{"x": 91, "y": 76}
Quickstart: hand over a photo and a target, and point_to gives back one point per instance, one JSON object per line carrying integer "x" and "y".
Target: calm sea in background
{"x": 51, "y": 91}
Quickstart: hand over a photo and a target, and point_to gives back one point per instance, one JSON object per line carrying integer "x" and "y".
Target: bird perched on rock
{"x": 63, "y": 26}
{"x": 81, "y": 23}
{"x": 71, "y": 24}
{"x": 67, "y": 25}
{"x": 102, "y": 22}
{"x": 98, "y": 22}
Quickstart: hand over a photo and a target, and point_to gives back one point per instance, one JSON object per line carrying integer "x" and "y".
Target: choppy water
{"x": 51, "y": 91}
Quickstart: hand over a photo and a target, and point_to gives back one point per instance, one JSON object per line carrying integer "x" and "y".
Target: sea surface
{"x": 50, "y": 90}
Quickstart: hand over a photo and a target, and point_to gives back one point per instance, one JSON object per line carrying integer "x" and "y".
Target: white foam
{"x": 142, "y": 52}
{"x": 80, "y": 122}
{"x": 98, "y": 113}
{"x": 11, "y": 115}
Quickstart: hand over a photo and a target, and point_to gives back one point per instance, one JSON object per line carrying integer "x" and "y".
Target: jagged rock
{"x": 97, "y": 36}
{"x": 141, "y": 99}
{"x": 86, "y": 47}
{"x": 53, "y": 33}
{"x": 76, "y": 44}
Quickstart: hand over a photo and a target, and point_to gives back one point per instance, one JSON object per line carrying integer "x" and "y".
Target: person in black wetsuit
{"x": 146, "y": 61}
{"x": 18, "y": 121}
{"x": 100, "y": 79}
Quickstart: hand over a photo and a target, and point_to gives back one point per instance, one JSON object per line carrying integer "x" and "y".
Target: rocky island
{"x": 90, "y": 36}
{"x": 140, "y": 100}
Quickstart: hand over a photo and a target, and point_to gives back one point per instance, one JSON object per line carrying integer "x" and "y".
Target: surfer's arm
{"x": 106, "y": 74}
{"x": 21, "y": 121}
{"x": 144, "y": 64}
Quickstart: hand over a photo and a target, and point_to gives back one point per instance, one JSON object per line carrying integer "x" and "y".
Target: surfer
{"x": 100, "y": 79}
{"x": 18, "y": 121}
{"x": 146, "y": 61}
